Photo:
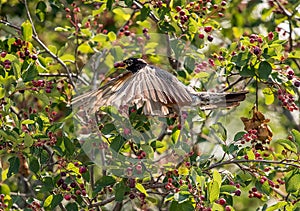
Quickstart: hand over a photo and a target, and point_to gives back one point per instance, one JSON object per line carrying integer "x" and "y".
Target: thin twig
{"x": 227, "y": 162}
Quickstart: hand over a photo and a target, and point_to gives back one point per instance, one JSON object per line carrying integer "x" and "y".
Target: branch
{"x": 102, "y": 203}
{"x": 227, "y": 162}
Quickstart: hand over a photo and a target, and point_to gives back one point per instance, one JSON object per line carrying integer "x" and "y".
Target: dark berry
{"x": 178, "y": 8}
{"x": 131, "y": 196}
{"x": 64, "y": 186}
{"x": 223, "y": 3}
{"x": 181, "y": 13}
{"x": 297, "y": 83}
{"x": 270, "y": 36}
{"x": 63, "y": 174}
{"x": 82, "y": 169}
{"x": 210, "y": 38}
{"x": 73, "y": 184}
{"x": 237, "y": 192}
{"x": 256, "y": 50}
{"x": 3, "y": 54}
{"x": 127, "y": 33}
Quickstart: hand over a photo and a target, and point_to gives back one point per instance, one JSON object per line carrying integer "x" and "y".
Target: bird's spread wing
{"x": 153, "y": 88}
{"x": 93, "y": 100}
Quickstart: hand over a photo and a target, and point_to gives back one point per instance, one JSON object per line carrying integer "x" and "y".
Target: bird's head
{"x": 134, "y": 64}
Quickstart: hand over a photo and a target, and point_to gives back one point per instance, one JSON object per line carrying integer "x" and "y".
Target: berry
{"x": 201, "y": 36}
{"x": 78, "y": 192}
{"x": 83, "y": 192}
{"x": 64, "y": 186}
{"x": 181, "y": 13}
{"x": 222, "y": 201}
{"x": 227, "y": 208}
{"x": 3, "y": 54}
{"x": 210, "y": 38}
{"x": 127, "y": 33}
{"x": 256, "y": 50}
{"x": 237, "y": 192}
{"x": 297, "y": 83}
{"x": 207, "y": 28}
{"x": 270, "y": 36}
{"x": 82, "y": 169}
{"x": 223, "y": 3}
{"x": 145, "y": 30}
{"x": 67, "y": 10}
{"x": 178, "y": 8}
{"x": 73, "y": 184}
{"x": 131, "y": 196}
{"x": 127, "y": 131}
{"x": 63, "y": 174}
{"x": 291, "y": 72}
{"x": 67, "y": 197}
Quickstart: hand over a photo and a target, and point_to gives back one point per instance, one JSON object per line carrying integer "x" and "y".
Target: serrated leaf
{"x": 141, "y": 188}
{"x": 264, "y": 70}
{"x": 40, "y": 10}
{"x": 26, "y": 29}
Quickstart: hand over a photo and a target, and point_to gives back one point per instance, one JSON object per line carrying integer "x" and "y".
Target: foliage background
{"x": 52, "y": 49}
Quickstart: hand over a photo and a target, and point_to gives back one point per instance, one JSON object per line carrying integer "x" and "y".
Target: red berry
{"x": 67, "y": 10}
{"x": 222, "y": 201}
{"x": 181, "y": 13}
{"x": 201, "y": 36}
{"x": 207, "y": 28}
{"x": 237, "y": 192}
{"x": 67, "y": 197}
{"x": 83, "y": 192}
{"x": 178, "y": 8}
{"x": 270, "y": 36}
{"x": 227, "y": 208}
{"x": 3, "y": 54}
{"x": 78, "y": 192}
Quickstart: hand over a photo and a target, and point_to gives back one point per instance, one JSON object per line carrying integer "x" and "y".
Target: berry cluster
{"x": 35, "y": 206}
{"x": 250, "y": 136}
{"x": 287, "y": 100}
{"x": 2, "y": 203}
{"x": 208, "y": 30}
{"x": 50, "y": 141}
{"x": 7, "y": 64}
{"x": 255, "y": 193}
{"x": 201, "y": 67}
{"x": 71, "y": 187}
{"x": 291, "y": 76}
{"x": 42, "y": 84}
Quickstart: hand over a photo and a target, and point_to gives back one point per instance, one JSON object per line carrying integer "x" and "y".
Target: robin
{"x": 157, "y": 91}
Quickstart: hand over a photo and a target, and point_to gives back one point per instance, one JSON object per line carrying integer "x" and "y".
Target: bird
{"x": 159, "y": 92}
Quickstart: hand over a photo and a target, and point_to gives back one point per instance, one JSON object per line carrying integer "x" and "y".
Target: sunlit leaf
{"x": 26, "y": 30}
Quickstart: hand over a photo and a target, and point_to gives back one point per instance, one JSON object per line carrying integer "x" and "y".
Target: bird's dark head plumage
{"x": 134, "y": 64}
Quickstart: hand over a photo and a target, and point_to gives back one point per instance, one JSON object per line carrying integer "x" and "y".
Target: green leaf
{"x": 141, "y": 188}
{"x": 239, "y": 135}
{"x": 109, "y": 4}
{"x": 269, "y": 96}
{"x": 117, "y": 143}
{"x": 26, "y": 29}
{"x": 72, "y": 207}
{"x": 186, "y": 206}
{"x": 292, "y": 183}
{"x": 213, "y": 191}
{"x": 40, "y": 10}
{"x": 296, "y": 135}
{"x": 70, "y": 148}
{"x": 2, "y": 92}
{"x": 4, "y": 189}
{"x": 27, "y": 122}
{"x": 48, "y": 201}
{"x": 144, "y": 12}
{"x": 34, "y": 165}
{"x": 287, "y": 144}
{"x": 264, "y": 70}
{"x": 128, "y": 2}
{"x": 111, "y": 36}
{"x": 30, "y": 73}
{"x": 103, "y": 182}
{"x": 217, "y": 177}
{"x": 85, "y": 48}
{"x": 277, "y": 206}
{"x": 14, "y": 164}
{"x": 47, "y": 184}
{"x": 120, "y": 190}
{"x": 227, "y": 188}
{"x": 28, "y": 141}
{"x": 182, "y": 196}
